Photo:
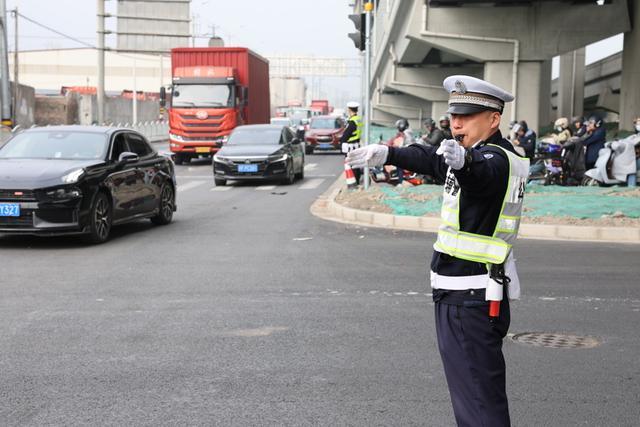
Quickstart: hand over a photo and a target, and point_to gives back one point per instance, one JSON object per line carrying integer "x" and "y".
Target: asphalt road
{"x": 247, "y": 310}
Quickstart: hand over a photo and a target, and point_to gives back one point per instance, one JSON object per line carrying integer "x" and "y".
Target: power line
{"x": 56, "y": 31}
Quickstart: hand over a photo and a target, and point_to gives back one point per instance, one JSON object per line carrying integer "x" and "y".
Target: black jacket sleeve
{"x": 348, "y": 132}
{"x": 418, "y": 158}
{"x": 487, "y": 173}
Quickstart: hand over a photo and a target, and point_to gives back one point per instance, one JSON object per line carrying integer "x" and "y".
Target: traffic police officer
{"x": 472, "y": 260}
{"x": 350, "y": 139}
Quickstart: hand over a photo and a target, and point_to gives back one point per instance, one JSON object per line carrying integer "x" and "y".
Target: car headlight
{"x": 278, "y": 158}
{"x": 176, "y": 137}
{"x": 64, "y": 193}
{"x": 220, "y": 159}
{"x": 73, "y": 176}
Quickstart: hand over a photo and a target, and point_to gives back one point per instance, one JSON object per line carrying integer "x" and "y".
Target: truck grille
{"x": 201, "y": 125}
{"x": 187, "y": 117}
{"x": 17, "y": 196}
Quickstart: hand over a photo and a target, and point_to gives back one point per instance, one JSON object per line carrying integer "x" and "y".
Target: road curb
{"x": 327, "y": 208}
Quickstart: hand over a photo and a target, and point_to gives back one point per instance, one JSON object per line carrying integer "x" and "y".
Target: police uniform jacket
{"x": 482, "y": 182}
{"x": 348, "y": 131}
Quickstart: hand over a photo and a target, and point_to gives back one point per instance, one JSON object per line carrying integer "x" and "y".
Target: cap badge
{"x": 460, "y": 87}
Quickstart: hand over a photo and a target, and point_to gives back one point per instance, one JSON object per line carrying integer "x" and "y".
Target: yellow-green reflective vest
{"x": 476, "y": 247}
{"x": 358, "y": 132}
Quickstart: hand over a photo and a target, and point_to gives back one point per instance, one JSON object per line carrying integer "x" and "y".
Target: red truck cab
{"x": 213, "y": 91}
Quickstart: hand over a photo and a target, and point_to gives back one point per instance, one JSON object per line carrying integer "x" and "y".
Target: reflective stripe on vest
{"x": 492, "y": 249}
{"x": 358, "y": 132}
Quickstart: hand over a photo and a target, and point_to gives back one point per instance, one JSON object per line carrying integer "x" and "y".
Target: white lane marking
{"x": 322, "y": 176}
{"x": 265, "y": 187}
{"x": 310, "y": 166}
{"x": 189, "y": 185}
{"x": 311, "y": 184}
{"x": 220, "y": 188}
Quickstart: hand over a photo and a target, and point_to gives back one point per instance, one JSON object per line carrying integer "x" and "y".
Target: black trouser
{"x": 471, "y": 350}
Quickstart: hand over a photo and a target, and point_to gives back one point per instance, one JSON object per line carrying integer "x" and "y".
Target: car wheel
{"x": 100, "y": 220}
{"x": 300, "y": 175}
{"x": 308, "y": 149}
{"x": 220, "y": 182}
{"x": 291, "y": 175}
{"x": 166, "y": 205}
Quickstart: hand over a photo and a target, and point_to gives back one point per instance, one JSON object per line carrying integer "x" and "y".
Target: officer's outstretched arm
{"x": 486, "y": 173}
{"x": 418, "y": 158}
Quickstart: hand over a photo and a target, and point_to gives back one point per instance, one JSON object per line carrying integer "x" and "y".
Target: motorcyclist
{"x": 561, "y": 131}
{"x": 525, "y": 138}
{"x": 578, "y": 126}
{"x": 433, "y": 135}
{"x": 445, "y": 126}
{"x": 405, "y": 133}
{"x": 594, "y": 140}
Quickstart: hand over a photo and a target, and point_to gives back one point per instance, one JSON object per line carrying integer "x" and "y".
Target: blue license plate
{"x": 248, "y": 168}
{"x": 9, "y": 209}
{"x": 326, "y": 145}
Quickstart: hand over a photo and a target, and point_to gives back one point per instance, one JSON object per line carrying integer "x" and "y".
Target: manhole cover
{"x": 542, "y": 339}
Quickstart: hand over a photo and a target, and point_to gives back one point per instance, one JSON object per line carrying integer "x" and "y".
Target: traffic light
{"x": 359, "y": 36}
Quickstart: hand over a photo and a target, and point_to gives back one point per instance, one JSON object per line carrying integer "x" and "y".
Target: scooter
{"x": 616, "y": 163}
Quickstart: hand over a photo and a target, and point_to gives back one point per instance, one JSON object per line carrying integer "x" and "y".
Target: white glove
{"x": 370, "y": 155}
{"x": 452, "y": 152}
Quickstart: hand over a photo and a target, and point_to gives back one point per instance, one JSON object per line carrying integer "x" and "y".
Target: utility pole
{"x": 368, "y": 8}
{"x": 135, "y": 94}
{"x": 5, "y": 95}
{"x": 15, "y": 66}
{"x": 101, "y": 36}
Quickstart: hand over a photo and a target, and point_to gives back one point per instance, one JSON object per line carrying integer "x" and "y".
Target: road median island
{"x": 550, "y": 212}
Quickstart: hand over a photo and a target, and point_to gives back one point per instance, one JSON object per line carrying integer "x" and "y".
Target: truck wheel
{"x": 220, "y": 182}
{"x": 178, "y": 159}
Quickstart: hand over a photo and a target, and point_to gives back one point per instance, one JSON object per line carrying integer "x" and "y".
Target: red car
{"x": 324, "y": 133}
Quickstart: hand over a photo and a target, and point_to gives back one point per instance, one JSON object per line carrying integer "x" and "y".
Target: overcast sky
{"x": 306, "y": 27}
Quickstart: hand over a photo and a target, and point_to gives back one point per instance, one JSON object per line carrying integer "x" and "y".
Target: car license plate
{"x": 325, "y": 145}
{"x": 203, "y": 150}
{"x": 248, "y": 168}
{"x": 9, "y": 209}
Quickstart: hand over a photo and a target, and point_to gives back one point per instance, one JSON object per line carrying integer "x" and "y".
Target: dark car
{"x": 82, "y": 180}
{"x": 324, "y": 133}
{"x": 259, "y": 152}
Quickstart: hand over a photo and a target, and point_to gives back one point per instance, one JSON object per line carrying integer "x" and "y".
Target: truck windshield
{"x": 202, "y": 96}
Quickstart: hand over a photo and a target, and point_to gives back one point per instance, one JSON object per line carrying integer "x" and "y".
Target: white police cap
{"x": 470, "y": 95}
{"x": 353, "y": 104}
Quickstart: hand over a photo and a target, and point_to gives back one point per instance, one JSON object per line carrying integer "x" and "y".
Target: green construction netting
{"x": 575, "y": 202}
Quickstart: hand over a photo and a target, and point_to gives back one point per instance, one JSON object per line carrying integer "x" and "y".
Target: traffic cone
{"x": 349, "y": 176}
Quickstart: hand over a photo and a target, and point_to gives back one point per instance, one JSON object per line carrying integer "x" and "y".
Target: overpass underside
{"x": 418, "y": 43}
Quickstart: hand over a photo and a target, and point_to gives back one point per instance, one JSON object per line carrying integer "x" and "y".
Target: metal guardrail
{"x": 154, "y": 131}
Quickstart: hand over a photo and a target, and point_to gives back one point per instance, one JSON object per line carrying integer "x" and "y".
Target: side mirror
{"x": 163, "y": 96}
{"x": 128, "y": 157}
{"x": 245, "y": 95}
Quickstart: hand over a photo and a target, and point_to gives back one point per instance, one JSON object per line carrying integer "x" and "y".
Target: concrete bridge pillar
{"x": 630, "y": 87}
{"x": 571, "y": 84}
{"x": 533, "y": 93}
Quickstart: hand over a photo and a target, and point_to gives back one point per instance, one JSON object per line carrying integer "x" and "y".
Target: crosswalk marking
{"x": 189, "y": 185}
{"x": 310, "y": 166}
{"x": 221, "y": 188}
{"x": 311, "y": 184}
{"x": 266, "y": 188}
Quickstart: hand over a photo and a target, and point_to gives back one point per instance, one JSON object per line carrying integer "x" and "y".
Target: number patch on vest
{"x": 451, "y": 185}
